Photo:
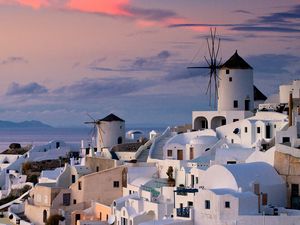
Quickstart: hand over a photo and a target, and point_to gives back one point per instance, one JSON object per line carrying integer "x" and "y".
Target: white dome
{"x": 203, "y": 140}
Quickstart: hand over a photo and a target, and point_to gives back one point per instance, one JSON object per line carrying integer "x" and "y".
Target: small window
{"x": 232, "y": 141}
{"x": 274, "y": 125}
{"x": 97, "y": 169}
{"x": 230, "y": 79}
{"x": 235, "y": 104}
{"x": 170, "y": 152}
{"x": 246, "y": 129}
{"x": 235, "y": 120}
{"x": 258, "y": 130}
{"x": 79, "y": 185}
{"x": 285, "y": 139}
{"x": 227, "y": 204}
{"x": 197, "y": 180}
{"x": 190, "y": 204}
{"x": 207, "y": 204}
{"x": 116, "y": 184}
{"x": 73, "y": 179}
{"x": 74, "y": 201}
{"x": 227, "y": 71}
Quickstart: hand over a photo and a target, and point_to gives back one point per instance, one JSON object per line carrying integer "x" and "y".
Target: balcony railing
{"x": 183, "y": 212}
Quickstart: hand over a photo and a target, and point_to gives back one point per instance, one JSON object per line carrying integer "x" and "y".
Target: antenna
{"x": 213, "y": 64}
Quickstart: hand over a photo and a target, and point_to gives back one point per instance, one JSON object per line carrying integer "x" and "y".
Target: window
{"x": 73, "y": 179}
{"x": 227, "y": 71}
{"x": 235, "y": 120}
{"x": 116, "y": 184}
{"x": 100, "y": 216}
{"x": 197, "y": 180}
{"x": 170, "y": 152}
{"x": 66, "y": 199}
{"x": 274, "y": 125}
{"x": 79, "y": 185}
{"x": 74, "y": 201}
{"x": 235, "y": 104}
{"x": 231, "y": 162}
{"x": 230, "y": 79}
{"x": 285, "y": 139}
{"x": 207, "y": 204}
{"x": 227, "y": 204}
{"x": 190, "y": 204}
{"x": 232, "y": 141}
{"x": 246, "y": 129}
{"x": 258, "y": 130}
{"x": 97, "y": 169}
{"x": 120, "y": 140}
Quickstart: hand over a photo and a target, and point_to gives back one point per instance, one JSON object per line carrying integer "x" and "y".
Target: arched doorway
{"x": 45, "y": 216}
{"x": 217, "y": 122}
{"x": 200, "y": 123}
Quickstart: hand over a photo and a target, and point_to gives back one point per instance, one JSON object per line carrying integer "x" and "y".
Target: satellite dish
{"x": 111, "y": 219}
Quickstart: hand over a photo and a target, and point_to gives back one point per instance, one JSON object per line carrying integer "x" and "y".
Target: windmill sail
{"x": 213, "y": 64}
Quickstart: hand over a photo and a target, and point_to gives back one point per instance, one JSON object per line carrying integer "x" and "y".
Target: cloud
{"x": 33, "y": 88}
{"x": 284, "y": 17}
{"x": 242, "y": 11}
{"x": 272, "y": 63}
{"x": 114, "y": 8}
{"x": 266, "y": 29}
{"x": 13, "y": 59}
{"x": 95, "y": 88}
{"x": 151, "y": 63}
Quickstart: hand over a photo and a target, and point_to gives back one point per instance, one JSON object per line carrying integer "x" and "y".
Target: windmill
{"x": 95, "y": 128}
{"x": 213, "y": 64}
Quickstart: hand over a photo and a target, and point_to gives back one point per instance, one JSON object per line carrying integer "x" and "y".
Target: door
{"x": 247, "y": 105}
{"x": 268, "y": 131}
{"x": 179, "y": 154}
{"x": 191, "y": 153}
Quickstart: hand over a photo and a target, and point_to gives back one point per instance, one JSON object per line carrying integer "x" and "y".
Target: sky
{"x": 62, "y": 59}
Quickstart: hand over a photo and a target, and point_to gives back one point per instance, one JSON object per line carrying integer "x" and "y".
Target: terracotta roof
{"x": 258, "y": 95}
{"x": 236, "y": 62}
{"x": 111, "y": 117}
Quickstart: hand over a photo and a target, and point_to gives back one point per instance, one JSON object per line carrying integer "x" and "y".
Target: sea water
{"x": 40, "y": 136}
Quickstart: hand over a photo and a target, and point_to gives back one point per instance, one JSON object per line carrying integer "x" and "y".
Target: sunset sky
{"x": 60, "y": 59}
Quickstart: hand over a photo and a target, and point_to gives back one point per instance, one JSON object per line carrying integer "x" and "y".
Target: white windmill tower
{"x": 235, "y": 89}
{"x": 110, "y": 131}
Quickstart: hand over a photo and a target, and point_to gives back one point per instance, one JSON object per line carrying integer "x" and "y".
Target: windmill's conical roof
{"x": 236, "y": 62}
{"x": 111, "y": 117}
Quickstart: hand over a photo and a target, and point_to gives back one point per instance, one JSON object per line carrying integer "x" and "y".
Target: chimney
{"x": 291, "y": 109}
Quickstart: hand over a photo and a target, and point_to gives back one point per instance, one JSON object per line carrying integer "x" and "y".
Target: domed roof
{"x": 201, "y": 140}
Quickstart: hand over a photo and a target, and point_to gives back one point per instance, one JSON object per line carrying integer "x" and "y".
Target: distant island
{"x": 24, "y": 124}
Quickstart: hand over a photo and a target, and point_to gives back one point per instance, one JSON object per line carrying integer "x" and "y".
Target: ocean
{"x": 39, "y": 136}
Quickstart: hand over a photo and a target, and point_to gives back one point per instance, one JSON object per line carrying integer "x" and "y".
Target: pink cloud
{"x": 110, "y": 7}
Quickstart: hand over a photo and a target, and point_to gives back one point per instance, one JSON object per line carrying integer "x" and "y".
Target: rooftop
{"x": 236, "y": 62}
{"x": 111, "y": 117}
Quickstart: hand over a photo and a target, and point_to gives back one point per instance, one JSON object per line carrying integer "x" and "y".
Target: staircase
{"x": 156, "y": 150}
{"x": 143, "y": 156}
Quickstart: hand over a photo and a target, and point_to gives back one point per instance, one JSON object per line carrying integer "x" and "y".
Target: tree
{"x": 54, "y": 219}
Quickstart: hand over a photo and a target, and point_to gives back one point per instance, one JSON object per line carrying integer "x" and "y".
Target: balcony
{"x": 184, "y": 191}
{"x": 183, "y": 212}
